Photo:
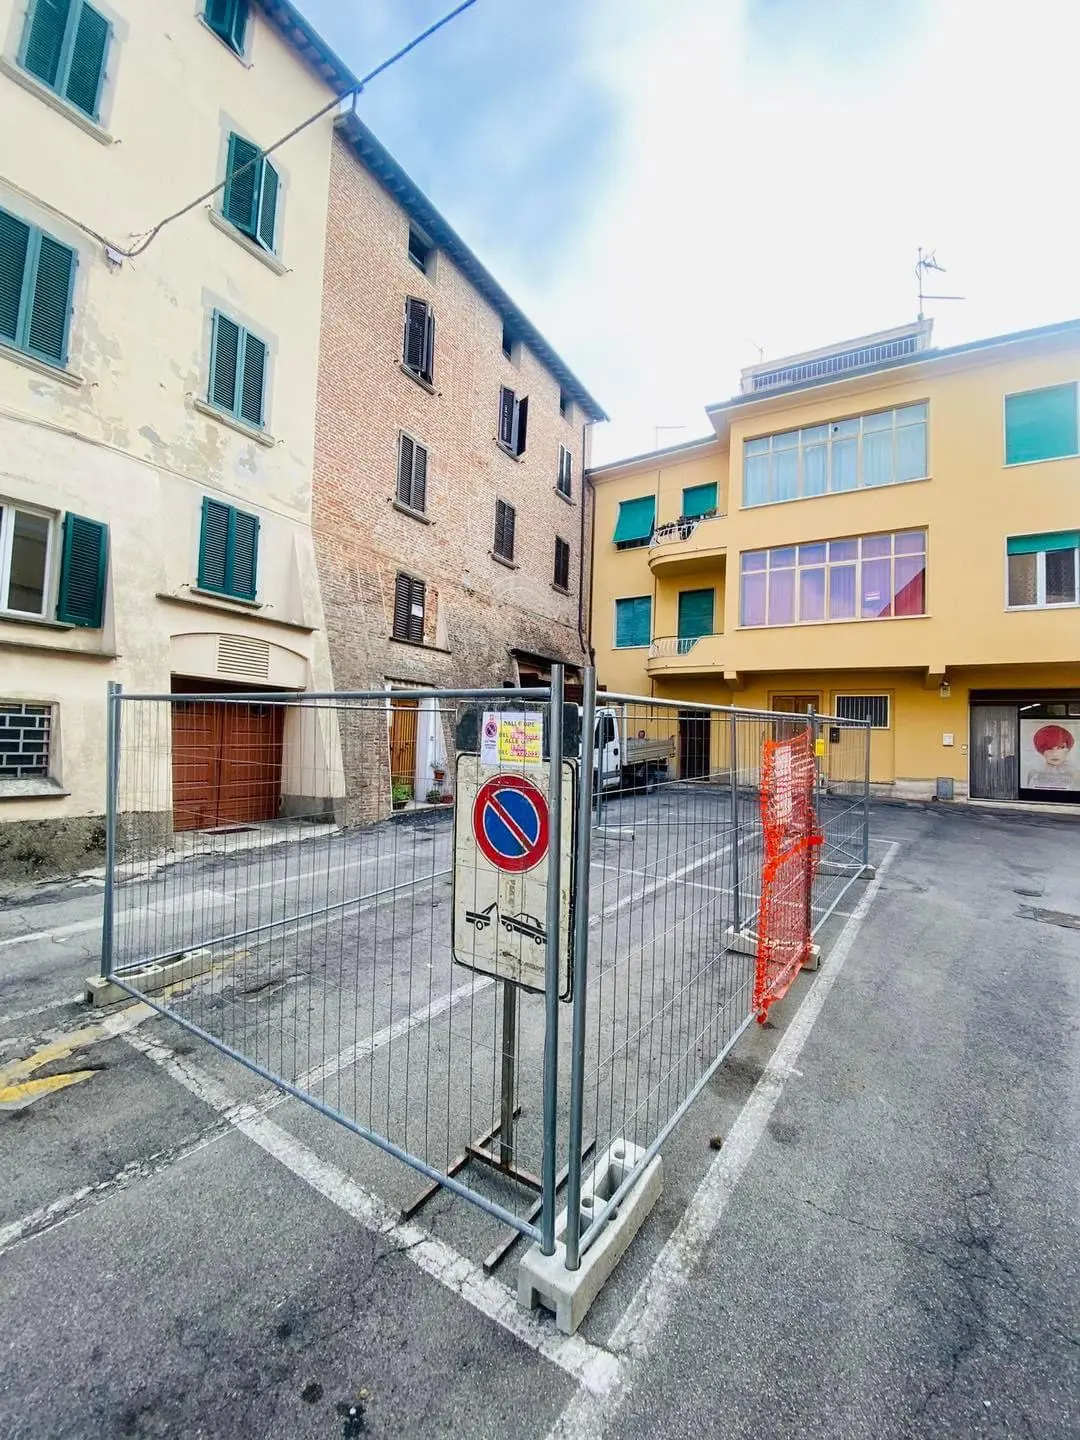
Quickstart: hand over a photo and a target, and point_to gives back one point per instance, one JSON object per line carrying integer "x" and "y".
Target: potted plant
{"x": 400, "y": 795}
{"x": 434, "y": 796}
{"x": 438, "y": 769}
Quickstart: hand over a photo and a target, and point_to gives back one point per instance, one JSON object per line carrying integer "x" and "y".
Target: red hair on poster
{"x": 1052, "y": 737}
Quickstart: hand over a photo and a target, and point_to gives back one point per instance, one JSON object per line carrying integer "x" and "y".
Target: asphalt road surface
{"x": 885, "y": 1244}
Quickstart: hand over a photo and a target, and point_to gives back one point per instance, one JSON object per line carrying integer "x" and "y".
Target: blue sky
{"x": 665, "y": 186}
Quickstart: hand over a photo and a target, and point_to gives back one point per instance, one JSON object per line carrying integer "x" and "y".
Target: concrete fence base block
{"x": 745, "y": 942}
{"x": 101, "y": 990}
{"x": 741, "y": 942}
{"x": 545, "y": 1280}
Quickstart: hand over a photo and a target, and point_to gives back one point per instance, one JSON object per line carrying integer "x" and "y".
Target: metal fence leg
{"x": 866, "y": 802}
{"x": 507, "y": 1098}
{"x": 553, "y": 918}
{"x": 581, "y": 976}
{"x": 112, "y": 790}
{"x": 736, "y": 880}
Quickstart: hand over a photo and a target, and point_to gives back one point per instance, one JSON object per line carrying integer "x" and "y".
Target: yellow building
{"x": 877, "y": 529}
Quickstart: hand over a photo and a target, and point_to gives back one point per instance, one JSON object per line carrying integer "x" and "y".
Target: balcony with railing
{"x": 690, "y": 543}
{"x": 676, "y": 655}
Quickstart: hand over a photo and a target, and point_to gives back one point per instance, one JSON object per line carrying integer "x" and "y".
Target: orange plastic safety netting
{"x": 791, "y": 841}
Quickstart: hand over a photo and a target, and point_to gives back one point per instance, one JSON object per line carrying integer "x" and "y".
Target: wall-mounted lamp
{"x": 944, "y": 690}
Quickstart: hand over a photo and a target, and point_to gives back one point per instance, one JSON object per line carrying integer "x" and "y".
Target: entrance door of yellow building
{"x": 792, "y": 705}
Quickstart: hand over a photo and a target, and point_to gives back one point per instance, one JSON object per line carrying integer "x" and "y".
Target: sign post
{"x": 512, "y": 882}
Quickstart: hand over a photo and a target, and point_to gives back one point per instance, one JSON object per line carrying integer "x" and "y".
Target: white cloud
{"x": 780, "y": 198}
{"x": 775, "y": 165}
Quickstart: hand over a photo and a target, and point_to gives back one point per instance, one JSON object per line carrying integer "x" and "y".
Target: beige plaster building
{"x": 157, "y": 410}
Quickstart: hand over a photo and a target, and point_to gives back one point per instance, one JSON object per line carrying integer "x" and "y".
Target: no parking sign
{"x": 502, "y": 845}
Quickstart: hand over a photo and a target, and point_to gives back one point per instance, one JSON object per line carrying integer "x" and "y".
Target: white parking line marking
{"x": 61, "y": 932}
{"x": 593, "y": 1368}
{"x": 637, "y": 1331}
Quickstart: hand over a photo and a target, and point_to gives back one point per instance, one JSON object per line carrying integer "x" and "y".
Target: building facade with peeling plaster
{"x": 157, "y": 410}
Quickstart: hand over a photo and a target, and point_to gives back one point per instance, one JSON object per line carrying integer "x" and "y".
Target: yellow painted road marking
{"x": 18, "y": 1090}
{"x": 17, "y": 1097}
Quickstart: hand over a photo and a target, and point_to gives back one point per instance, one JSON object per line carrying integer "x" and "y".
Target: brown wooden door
{"x": 195, "y": 743}
{"x": 226, "y": 763}
{"x": 404, "y": 717}
{"x": 793, "y": 705}
{"x": 249, "y": 764}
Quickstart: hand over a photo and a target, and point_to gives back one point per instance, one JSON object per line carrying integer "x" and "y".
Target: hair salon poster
{"x": 1050, "y": 755}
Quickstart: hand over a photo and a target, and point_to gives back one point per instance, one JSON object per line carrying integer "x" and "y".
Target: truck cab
{"x": 622, "y": 762}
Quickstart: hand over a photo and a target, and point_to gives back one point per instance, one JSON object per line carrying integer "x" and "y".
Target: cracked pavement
{"x": 901, "y": 1257}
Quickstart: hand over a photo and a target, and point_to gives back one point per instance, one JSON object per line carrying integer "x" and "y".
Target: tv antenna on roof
{"x": 926, "y": 262}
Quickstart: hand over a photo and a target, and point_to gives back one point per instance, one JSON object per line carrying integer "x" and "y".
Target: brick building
{"x": 451, "y": 521}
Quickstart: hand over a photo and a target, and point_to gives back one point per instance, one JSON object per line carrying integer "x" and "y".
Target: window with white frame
{"x": 1044, "y": 570}
{"x": 52, "y": 568}
{"x": 26, "y": 554}
{"x": 867, "y": 577}
{"x": 887, "y": 447}
{"x": 25, "y": 736}
{"x": 862, "y": 708}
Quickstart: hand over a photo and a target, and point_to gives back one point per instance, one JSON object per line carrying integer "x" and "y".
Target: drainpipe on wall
{"x": 585, "y": 635}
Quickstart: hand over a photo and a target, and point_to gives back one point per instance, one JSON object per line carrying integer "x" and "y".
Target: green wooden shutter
{"x": 1032, "y": 544}
{"x": 253, "y": 380}
{"x": 83, "y": 569}
{"x": 1040, "y": 424}
{"x": 698, "y": 500}
{"x": 240, "y": 201}
{"x": 14, "y": 246}
{"x": 636, "y": 519}
{"x": 43, "y": 40}
{"x": 268, "y": 198}
{"x": 214, "y": 545}
{"x": 633, "y": 621}
{"x": 224, "y": 362}
{"x": 86, "y": 67}
{"x": 228, "y": 19}
{"x": 695, "y": 613}
{"x": 245, "y": 555}
{"x": 50, "y": 306}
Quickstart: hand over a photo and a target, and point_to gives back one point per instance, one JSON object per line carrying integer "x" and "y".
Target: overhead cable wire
{"x": 118, "y": 253}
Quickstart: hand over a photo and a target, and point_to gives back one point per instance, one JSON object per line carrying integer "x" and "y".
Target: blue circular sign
{"x": 510, "y": 822}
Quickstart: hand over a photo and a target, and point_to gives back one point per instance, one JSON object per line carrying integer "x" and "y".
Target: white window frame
{"x": 865, "y": 695}
{"x": 566, "y": 462}
{"x": 7, "y": 527}
{"x": 829, "y": 565}
{"x": 1041, "y": 602}
{"x": 829, "y": 425}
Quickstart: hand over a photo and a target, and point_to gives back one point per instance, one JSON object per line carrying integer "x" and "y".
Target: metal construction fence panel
{"x": 314, "y": 917}
{"x": 672, "y": 972}
{"x": 287, "y": 880}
